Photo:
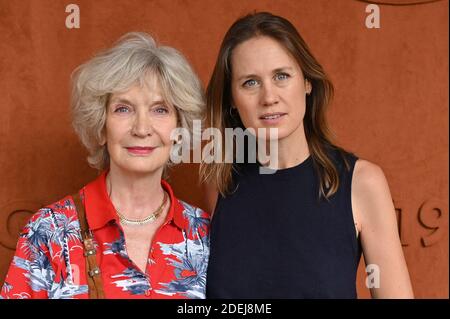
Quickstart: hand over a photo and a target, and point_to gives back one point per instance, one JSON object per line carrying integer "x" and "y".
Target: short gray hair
{"x": 130, "y": 61}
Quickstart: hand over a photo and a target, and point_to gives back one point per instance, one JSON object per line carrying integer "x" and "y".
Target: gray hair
{"x": 130, "y": 61}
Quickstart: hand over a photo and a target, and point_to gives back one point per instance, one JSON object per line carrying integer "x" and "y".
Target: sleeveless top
{"x": 274, "y": 237}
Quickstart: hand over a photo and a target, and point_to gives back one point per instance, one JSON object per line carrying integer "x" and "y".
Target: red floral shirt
{"x": 49, "y": 260}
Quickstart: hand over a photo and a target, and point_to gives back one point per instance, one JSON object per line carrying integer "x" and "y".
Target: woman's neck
{"x": 290, "y": 152}
{"x": 290, "y": 156}
{"x": 134, "y": 195}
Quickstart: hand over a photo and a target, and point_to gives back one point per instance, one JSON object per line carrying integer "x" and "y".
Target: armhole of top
{"x": 354, "y": 232}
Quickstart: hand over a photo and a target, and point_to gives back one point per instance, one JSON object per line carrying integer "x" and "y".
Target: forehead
{"x": 147, "y": 86}
{"x": 259, "y": 55}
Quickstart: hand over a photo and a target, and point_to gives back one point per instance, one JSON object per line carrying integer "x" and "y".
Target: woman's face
{"x": 268, "y": 88}
{"x": 138, "y": 127}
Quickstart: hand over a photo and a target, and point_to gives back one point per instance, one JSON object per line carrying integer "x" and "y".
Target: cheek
{"x": 165, "y": 131}
{"x": 297, "y": 101}
{"x": 115, "y": 131}
{"x": 246, "y": 106}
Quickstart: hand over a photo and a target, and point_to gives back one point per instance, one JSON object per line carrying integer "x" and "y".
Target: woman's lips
{"x": 272, "y": 118}
{"x": 140, "y": 150}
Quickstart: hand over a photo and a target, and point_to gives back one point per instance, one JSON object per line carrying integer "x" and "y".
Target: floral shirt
{"x": 49, "y": 260}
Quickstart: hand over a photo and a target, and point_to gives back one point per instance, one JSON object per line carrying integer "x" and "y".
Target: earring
{"x": 232, "y": 111}
{"x": 308, "y": 87}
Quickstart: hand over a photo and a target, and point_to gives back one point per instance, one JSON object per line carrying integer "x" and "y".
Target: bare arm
{"x": 373, "y": 208}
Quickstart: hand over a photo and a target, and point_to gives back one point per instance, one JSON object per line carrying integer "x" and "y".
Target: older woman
{"x": 124, "y": 235}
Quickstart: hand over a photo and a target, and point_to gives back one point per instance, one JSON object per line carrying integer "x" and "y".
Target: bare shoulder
{"x": 370, "y": 192}
{"x": 368, "y": 176}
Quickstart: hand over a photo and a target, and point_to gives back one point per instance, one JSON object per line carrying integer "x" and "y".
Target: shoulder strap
{"x": 93, "y": 274}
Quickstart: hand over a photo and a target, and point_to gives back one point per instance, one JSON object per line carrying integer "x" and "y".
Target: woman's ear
{"x": 102, "y": 140}
{"x": 232, "y": 105}
{"x": 308, "y": 87}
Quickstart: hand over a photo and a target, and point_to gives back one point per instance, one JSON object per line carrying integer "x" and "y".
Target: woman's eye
{"x": 250, "y": 83}
{"x": 161, "y": 110}
{"x": 121, "y": 109}
{"x": 281, "y": 76}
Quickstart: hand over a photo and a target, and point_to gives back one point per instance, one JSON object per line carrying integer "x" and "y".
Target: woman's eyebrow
{"x": 280, "y": 69}
{"x": 121, "y": 100}
{"x": 246, "y": 76}
{"x": 128, "y": 102}
{"x": 284, "y": 68}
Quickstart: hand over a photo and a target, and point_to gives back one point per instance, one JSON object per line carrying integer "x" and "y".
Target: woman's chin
{"x": 268, "y": 136}
{"x": 141, "y": 168}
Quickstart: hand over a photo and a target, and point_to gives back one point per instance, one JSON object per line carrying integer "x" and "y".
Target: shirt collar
{"x": 100, "y": 211}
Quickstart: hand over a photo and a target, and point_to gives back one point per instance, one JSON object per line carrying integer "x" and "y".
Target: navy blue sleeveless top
{"x": 275, "y": 238}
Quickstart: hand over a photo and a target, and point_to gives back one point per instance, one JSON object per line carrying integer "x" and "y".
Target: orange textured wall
{"x": 391, "y": 104}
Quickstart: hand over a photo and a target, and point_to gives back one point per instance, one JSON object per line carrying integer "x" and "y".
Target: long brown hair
{"x": 218, "y": 98}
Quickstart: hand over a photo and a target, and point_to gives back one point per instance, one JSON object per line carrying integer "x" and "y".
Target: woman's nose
{"x": 269, "y": 95}
{"x": 142, "y": 125}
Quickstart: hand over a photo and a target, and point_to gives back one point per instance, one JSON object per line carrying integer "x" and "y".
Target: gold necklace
{"x": 150, "y": 218}
{"x": 138, "y": 222}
